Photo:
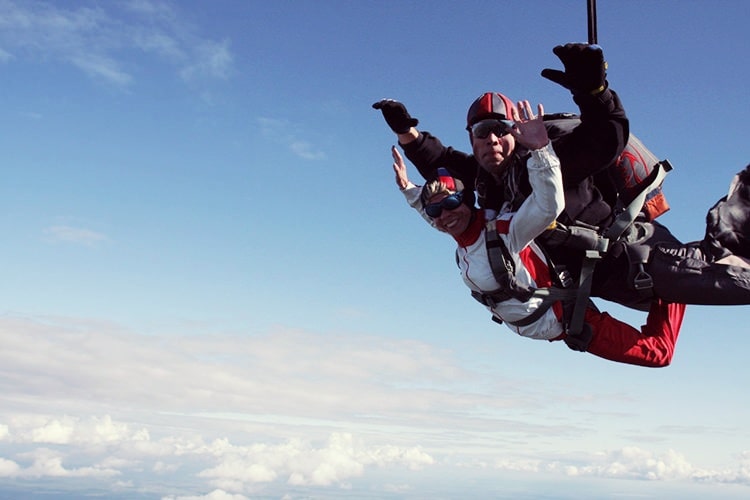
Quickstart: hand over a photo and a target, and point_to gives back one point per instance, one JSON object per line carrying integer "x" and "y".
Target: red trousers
{"x": 652, "y": 346}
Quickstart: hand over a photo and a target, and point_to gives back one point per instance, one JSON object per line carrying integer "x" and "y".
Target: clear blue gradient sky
{"x": 213, "y": 290}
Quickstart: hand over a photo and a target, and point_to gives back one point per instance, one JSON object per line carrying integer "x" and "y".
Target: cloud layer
{"x": 238, "y": 414}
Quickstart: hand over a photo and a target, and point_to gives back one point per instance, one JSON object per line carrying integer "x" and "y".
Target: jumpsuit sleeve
{"x": 427, "y": 154}
{"x": 546, "y": 201}
{"x": 597, "y": 141}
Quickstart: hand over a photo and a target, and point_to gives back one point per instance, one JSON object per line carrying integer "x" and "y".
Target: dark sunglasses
{"x": 482, "y": 129}
{"x": 451, "y": 202}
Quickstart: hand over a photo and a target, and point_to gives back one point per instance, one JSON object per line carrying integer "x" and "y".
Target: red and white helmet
{"x": 489, "y": 105}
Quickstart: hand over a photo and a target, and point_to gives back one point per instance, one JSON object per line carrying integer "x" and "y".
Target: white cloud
{"x": 93, "y": 430}
{"x": 162, "y": 467}
{"x": 9, "y": 468}
{"x": 159, "y": 43}
{"x": 70, "y": 234}
{"x": 283, "y": 132}
{"x": 636, "y": 463}
{"x": 214, "y": 495}
{"x": 210, "y": 59}
{"x": 631, "y": 463}
{"x": 105, "y": 42}
{"x": 102, "y": 67}
{"x": 54, "y": 432}
{"x": 150, "y": 8}
{"x": 302, "y": 464}
{"x": 49, "y": 463}
{"x": 306, "y": 151}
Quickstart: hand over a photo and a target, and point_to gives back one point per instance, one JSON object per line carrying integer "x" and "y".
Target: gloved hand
{"x": 585, "y": 68}
{"x": 396, "y": 116}
{"x": 580, "y": 342}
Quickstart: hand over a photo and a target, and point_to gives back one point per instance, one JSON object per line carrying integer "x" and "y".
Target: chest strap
{"x": 504, "y": 272}
{"x": 548, "y": 295}
{"x": 503, "y": 269}
{"x": 502, "y": 265}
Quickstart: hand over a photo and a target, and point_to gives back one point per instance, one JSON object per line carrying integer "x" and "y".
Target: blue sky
{"x": 213, "y": 290}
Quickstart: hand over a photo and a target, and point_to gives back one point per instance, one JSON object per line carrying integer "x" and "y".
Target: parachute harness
{"x": 575, "y": 299}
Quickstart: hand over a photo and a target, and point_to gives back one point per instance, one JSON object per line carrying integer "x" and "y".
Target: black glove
{"x": 580, "y": 341}
{"x": 585, "y": 68}
{"x": 396, "y": 116}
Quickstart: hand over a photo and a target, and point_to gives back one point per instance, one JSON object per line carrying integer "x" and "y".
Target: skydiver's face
{"x": 453, "y": 222}
{"x": 493, "y": 152}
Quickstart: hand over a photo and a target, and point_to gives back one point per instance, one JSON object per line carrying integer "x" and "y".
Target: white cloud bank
{"x": 232, "y": 416}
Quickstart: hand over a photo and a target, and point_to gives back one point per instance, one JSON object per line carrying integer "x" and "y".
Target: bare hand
{"x": 399, "y": 167}
{"x": 529, "y": 130}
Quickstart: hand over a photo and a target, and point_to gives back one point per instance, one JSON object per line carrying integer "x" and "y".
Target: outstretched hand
{"x": 585, "y": 68}
{"x": 529, "y": 130}
{"x": 396, "y": 115}
{"x": 399, "y": 167}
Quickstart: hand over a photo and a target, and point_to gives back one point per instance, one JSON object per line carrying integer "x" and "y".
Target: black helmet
{"x": 489, "y": 105}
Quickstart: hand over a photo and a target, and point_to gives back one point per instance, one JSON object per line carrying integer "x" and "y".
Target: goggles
{"x": 483, "y": 128}
{"x": 451, "y": 202}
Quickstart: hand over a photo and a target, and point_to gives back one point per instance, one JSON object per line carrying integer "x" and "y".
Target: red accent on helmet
{"x": 446, "y": 178}
{"x": 489, "y": 105}
{"x": 453, "y": 184}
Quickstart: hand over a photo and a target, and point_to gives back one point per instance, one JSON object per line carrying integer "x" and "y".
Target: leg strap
{"x": 578, "y": 332}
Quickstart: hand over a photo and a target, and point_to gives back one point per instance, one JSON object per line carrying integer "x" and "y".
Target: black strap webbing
{"x": 549, "y": 296}
{"x": 501, "y": 261}
{"x": 627, "y": 216}
{"x": 575, "y": 326}
{"x": 501, "y": 264}
{"x": 621, "y": 223}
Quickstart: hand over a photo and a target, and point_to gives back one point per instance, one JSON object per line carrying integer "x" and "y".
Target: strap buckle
{"x": 566, "y": 280}
{"x": 642, "y": 279}
{"x": 487, "y": 299}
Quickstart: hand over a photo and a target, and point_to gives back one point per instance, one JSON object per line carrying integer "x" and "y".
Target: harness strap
{"x": 500, "y": 258}
{"x": 548, "y": 295}
{"x": 628, "y": 216}
{"x": 642, "y": 280}
{"x": 503, "y": 270}
{"x": 491, "y": 299}
{"x": 575, "y": 326}
{"x": 588, "y": 238}
{"x": 502, "y": 265}
{"x": 637, "y": 256}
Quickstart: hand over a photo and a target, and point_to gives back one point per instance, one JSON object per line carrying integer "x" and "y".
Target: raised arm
{"x": 423, "y": 149}
{"x": 546, "y": 201}
{"x": 604, "y": 129}
{"x": 410, "y": 191}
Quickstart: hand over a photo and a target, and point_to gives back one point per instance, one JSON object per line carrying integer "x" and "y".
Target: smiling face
{"x": 453, "y": 222}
